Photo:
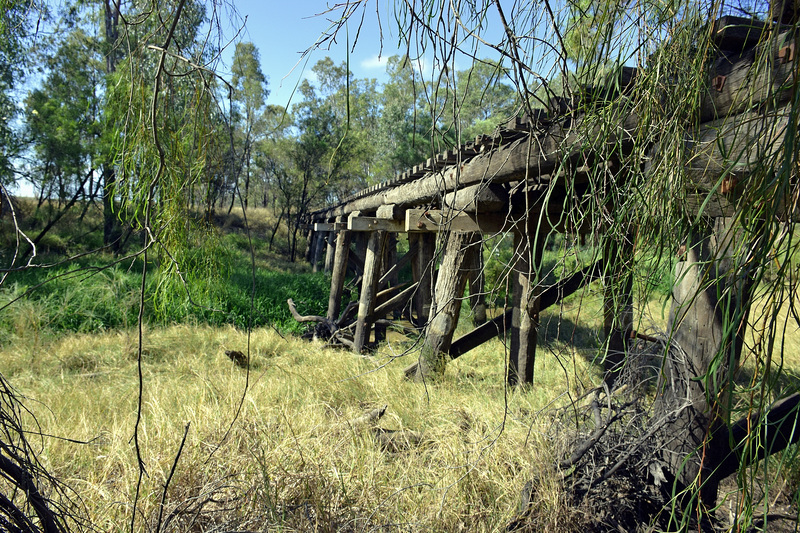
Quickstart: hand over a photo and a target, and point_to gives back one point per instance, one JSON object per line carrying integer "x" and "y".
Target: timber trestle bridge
{"x": 532, "y": 178}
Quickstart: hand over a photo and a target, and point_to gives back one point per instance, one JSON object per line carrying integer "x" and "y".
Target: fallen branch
{"x": 368, "y": 418}
{"x": 301, "y": 318}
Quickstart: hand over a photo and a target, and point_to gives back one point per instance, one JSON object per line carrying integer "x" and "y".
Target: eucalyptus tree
{"x": 405, "y": 129}
{"x": 16, "y": 18}
{"x": 248, "y": 98}
{"x": 484, "y": 99}
{"x": 333, "y": 150}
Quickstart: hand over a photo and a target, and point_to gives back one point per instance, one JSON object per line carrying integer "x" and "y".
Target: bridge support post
{"x": 389, "y": 258}
{"x": 450, "y": 283}
{"x": 477, "y": 297}
{"x": 711, "y": 302}
{"x": 369, "y": 287}
{"x": 422, "y": 267}
{"x": 339, "y": 272}
{"x": 617, "y": 303}
{"x": 318, "y": 238}
{"x": 330, "y": 251}
{"x": 526, "y": 299}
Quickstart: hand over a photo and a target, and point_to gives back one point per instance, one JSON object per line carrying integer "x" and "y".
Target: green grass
{"x": 217, "y": 285}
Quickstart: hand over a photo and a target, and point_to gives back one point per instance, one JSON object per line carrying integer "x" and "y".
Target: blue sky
{"x": 282, "y": 30}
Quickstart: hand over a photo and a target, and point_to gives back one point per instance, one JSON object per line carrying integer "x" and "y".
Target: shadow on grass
{"x": 557, "y": 330}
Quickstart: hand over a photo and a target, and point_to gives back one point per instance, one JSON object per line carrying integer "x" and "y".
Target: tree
{"x": 14, "y": 25}
{"x": 249, "y": 93}
{"x": 405, "y": 129}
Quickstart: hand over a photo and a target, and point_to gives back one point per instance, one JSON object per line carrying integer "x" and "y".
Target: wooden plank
{"x": 329, "y": 226}
{"x": 375, "y": 224}
{"x": 738, "y": 33}
{"x": 433, "y": 220}
{"x": 480, "y": 198}
{"x": 399, "y": 300}
{"x": 755, "y": 78}
{"x": 390, "y": 211}
{"x": 735, "y": 146}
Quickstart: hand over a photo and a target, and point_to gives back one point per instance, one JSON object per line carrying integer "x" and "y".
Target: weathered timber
{"x": 479, "y": 198}
{"x": 374, "y": 224}
{"x": 500, "y": 324}
{"x": 711, "y": 302}
{"x": 747, "y": 81}
{"x": 527, "y": 157}
{"x": 390, "y": 242}
{"x": 449, "y": 220}
{"x": 339, "y": 272}
{"x": 302, "y": 318}
{"x": 369, "y": 287}
{"x": 759, "y": 435}
{"x": 330, "y": 251}
{"x": 525, "y": 269}
{"x": 354, "y": 261}
{"x": 732, "y": 147}
{"x": 738, "y": 33}
{"x": 474, "y": 265}
{"x": 422, "y": 269}
{"x": 450, "y": 284}
{"x": 360, "y": 240}
{"x": 391, "y": 272}
{"x": 316, "y": 254}
{"x": 329, "y": 226}
{"x": 390, "y": 275}
{"x": 397, "y": 301}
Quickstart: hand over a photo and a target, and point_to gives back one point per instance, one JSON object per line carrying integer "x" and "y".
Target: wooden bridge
{"x": 530, "y": 179}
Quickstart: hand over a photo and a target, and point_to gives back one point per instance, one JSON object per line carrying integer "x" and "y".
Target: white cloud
{"x": 374, "y": 62}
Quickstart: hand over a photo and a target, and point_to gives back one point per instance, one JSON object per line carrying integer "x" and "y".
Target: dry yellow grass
{"x": 288, "y": 460}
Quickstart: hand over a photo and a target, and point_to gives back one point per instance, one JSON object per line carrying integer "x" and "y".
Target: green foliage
{"x": 216, "y": 288}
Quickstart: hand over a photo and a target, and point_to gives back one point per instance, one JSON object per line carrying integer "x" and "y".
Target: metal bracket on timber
{"x": 427, "y": 220}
